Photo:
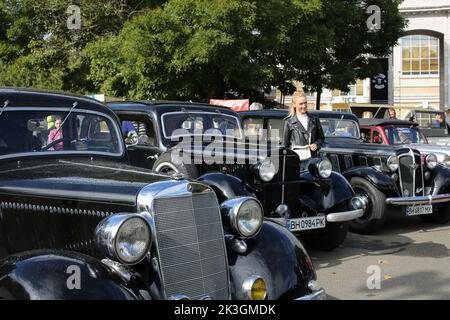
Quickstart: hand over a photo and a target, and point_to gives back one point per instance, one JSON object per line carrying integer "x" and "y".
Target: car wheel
{"x": 442, "y": 216}
{"x": 328, "y": 238}
{"x": 374, "y": 216}
{"x": 164, "y": 164}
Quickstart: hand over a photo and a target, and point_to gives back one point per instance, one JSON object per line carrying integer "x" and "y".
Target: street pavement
{"x": 411, "y": 258}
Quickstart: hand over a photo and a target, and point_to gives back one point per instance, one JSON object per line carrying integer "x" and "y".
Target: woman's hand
{"x": 313, "y": 147}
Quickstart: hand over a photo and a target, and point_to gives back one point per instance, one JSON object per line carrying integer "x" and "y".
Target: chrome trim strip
{"x": 345, "y": 215}
{"x": 398, "y": 201}
{"x": 169, "y": 189}
{"x": 318, "y": 295}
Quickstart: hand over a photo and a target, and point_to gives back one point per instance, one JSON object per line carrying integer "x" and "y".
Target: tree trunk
{"x": 319, "y": 94}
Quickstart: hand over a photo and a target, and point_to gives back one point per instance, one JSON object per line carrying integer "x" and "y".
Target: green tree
{"x": 38, "y": 49}
{"x": 200, "y": 49}
{"x": 346, "y": 44}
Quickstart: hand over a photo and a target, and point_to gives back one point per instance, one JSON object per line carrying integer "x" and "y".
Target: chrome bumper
{"x": 317, "y": 295}
{"x": 345, "y": 215}
{"x": 399, "y": 201}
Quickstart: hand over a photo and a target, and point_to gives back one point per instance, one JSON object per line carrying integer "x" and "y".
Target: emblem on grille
{"x": 414, "y": 166}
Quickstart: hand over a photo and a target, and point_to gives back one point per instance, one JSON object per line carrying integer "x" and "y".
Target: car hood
{"x": 75, "y": 179}
{"x": 358, "y": 146}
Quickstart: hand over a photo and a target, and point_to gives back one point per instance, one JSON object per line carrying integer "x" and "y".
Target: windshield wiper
{"x": 5, "y": 104}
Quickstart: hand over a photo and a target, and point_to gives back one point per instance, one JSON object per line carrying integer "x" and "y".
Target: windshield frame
{"x": 199, "y": 112}
{"x": 341, "y": 120}
{"x": 118, "y": 154}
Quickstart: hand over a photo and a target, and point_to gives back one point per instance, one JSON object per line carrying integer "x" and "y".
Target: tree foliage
{"x": 191, "y": 49}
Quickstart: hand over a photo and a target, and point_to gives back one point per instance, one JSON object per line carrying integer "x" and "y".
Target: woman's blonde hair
{"x": 297, "y": 95}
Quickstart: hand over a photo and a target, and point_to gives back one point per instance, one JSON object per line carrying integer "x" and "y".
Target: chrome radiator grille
{"x": 191, "y": 246}
{"x": 411, "y": 175}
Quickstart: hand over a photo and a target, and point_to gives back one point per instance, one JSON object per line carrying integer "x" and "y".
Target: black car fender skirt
{"x": 60, "y": 275}
{"x": 278, "y": 257}
{"x": 226, "y": 186}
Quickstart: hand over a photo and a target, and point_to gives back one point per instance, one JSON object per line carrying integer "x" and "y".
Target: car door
{"x": 145, "y": 152}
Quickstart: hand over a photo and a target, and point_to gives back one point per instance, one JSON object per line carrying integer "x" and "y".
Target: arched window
{"x": 420, "y": 55}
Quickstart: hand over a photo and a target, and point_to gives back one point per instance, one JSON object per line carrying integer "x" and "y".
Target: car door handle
{"x": 153, "y": 157}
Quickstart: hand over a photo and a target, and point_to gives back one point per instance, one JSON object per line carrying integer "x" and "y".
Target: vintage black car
{"x": 318, "y": 204}
{"x": 78, "y": 222}
{"x": 385, "y": 177}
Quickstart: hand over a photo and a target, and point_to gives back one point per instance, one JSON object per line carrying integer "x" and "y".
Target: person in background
{"x": 392, "y": 114}
{"x": 56, "y": 134}
{"x": 302, "y": 131}
{"x": 128, "y": 129}
{"x": 447, "y": 119}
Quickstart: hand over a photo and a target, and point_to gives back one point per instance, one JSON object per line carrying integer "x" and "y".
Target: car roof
{"x": 161, "y": 106}
{"x": 386, "y": 122}
{"x": 22, "y": 97}
{"x": 284, "y": 112}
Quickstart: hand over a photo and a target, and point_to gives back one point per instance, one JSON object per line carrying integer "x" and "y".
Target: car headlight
{"x": 324, "y": 168}
{"x": 244, "y": 216}
{"x": 431, "y": 161}
{"x": 392, "y": 163}
{"x": 254, "y": 288}
{"x": 267, "y": 170}
{"x": 123, "y": 237}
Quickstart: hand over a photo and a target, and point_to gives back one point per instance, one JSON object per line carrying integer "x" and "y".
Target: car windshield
{"x": 340, "y": 128}
{"x": 402, "y": 135}
{"x": 28, "y": 131}
{"x": 177, "y": 124}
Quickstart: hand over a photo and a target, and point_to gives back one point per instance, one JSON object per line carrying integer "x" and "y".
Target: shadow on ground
{"x": 393, "y": 239}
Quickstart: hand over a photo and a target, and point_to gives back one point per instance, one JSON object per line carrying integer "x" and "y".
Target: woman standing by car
{"x": 302, "y": 131}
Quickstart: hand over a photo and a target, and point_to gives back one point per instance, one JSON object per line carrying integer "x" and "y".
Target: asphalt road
{"x": 411, "y": 257}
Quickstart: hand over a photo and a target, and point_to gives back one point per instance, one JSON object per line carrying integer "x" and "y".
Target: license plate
{"x": 309, "y": 223}
{"x": 419, "y": 210}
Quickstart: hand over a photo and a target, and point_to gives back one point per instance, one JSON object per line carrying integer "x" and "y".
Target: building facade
{"x": 419, "y": 67}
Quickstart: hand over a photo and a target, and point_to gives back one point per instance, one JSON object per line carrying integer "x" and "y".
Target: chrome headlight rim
{"x": 324, "y": 168}
{"x": 231, "y": 210}
{"x": 393, "y": 163}
{"x": 248, "y": 287}
{"x": 431, "y": 161}
{"x": 267, "y": 176}
{"x": 108, "y": 233}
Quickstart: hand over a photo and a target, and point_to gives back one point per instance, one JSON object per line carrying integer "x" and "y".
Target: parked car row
{"x": 386, "y": 177}
{"x": 71, "y": 205}
{"x": 179, "y": 200}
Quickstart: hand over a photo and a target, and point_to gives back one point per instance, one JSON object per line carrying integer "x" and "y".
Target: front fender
{"x": 379, "y": 179}
{"x": 51, "y": 275}
{"x": 441, "y": 178}
{"x": 326, "y": 193}
{"x": 226, "y": 186}
{"x": 279, "y": 258}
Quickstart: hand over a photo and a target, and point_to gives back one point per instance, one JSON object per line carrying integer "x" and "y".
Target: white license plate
{"x": 419, "y": 210}
{"x": 309, "y": 223}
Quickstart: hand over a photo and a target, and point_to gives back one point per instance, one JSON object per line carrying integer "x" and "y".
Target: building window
{"x": 420, "y": 55}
